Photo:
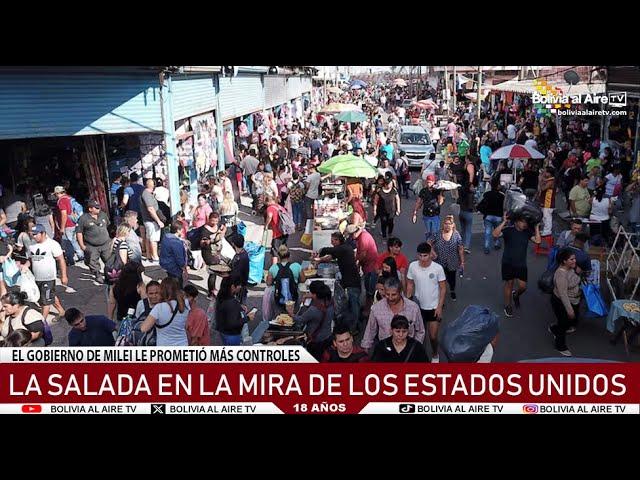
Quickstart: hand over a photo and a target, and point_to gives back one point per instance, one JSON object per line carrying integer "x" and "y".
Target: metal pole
{"x": 455, "y": 88}
{"x": 446, "y": 88}
{"x": 324, "y": 94}
{"x": 478, "y": 98}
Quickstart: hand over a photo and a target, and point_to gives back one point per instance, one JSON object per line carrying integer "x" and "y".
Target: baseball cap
{"x": 94, "y": 204}
{"x": 431, "y": 178}
{"x": 38, "y": 228}
{"x": 59, "y": 189}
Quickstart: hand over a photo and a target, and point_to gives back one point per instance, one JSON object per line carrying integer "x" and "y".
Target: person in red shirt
{"x": 272, "y": 217}
{"x": 65, "y": 225}
{"x": 366, "y": 255}
{"x": 197, "y": 323}
{"x": 393, "y": 250}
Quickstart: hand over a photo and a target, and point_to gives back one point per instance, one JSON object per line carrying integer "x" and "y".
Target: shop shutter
{"x": 275, "y": 90}
{"x": 193, "y": 96}
{"x": 307, "y": 84}
{"x": 61, "y": 104}
{"x": 293, "y": 88}
{"x": 241, "y": 95}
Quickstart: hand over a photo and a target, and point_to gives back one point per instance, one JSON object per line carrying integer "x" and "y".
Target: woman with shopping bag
{"x": 565, "y": 300}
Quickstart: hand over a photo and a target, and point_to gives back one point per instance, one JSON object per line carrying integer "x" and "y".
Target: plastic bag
{"x": 514, "y": 200}
{"x": 545, "y": 282}
{"x": 267, "y": 304}
{"x": 464, "y": 339}
{"x": 10, "y": 272}
{"x": 596, "y": 305}
{"x": 307, "y": 236}
{"x": 256, "y": 262}
{"x": 518, "y": 207}
{"x": 27, "y": 283}
{"x": 341, "y": 305}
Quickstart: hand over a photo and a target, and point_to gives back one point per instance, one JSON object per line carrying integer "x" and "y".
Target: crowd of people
{"x": 383, "y": 307}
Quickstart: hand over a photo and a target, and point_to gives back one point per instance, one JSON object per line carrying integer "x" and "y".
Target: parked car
{"x": 416, "y": 143}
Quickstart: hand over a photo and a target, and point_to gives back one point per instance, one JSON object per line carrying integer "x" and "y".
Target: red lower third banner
{"x": 122, "y": 387}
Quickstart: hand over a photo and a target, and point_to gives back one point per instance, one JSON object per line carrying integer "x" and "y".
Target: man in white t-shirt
{"x": 401, "y": 112}
{"x": 44, "y": 254}
{"x": 426, "y": 279}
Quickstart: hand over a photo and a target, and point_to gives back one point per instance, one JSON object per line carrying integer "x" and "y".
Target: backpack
{"x": 150, "y": 338}
{"x": 296, "y": 193}
{"x": 76, "y": 211}
{"x": 285, "y": 286}
{"x": 113, "y": 266}
{"x": 136, "y": 332}
{"x": 403, "y": 168}
{"x": 48, "y": 334}
{"x": 285, "y": 222}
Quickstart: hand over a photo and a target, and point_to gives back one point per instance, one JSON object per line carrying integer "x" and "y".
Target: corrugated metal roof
{"x": 66, "y": 104}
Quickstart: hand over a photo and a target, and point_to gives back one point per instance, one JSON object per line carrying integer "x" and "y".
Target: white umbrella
{"x": 516, "y": 151}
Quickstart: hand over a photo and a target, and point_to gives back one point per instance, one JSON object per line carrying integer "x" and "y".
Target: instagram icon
{"x": 530, "y": 408}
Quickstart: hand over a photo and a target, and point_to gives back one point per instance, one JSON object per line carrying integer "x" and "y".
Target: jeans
{"x": 490, "y": 224}
{"x": 386, "y": 222}
{"x": 432, "y": 225}
{"x": 466, "y": 222}
{"x": 297, "y": 213}
{"x": 564, "y": 323}
{"x": 353, "y": 295}
{"x": 231, "y": 339}
{"x": 70, "y": 234}
{"x": 451, "y": 278}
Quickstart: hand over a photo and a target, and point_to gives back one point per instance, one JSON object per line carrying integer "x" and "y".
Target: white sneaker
{"x": 435, "y": 359}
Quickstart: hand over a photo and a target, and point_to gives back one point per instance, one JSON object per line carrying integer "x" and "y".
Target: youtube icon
{"x": 31, "y": 409}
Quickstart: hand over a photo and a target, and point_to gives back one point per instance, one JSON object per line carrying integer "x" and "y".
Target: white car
{"x": 416, "y": 143}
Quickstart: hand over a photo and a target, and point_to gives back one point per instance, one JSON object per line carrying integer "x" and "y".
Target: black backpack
{"x": 286, "y": 288}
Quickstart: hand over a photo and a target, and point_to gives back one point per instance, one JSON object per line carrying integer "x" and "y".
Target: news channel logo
{"x": 530, "y": 408}
{"x": 407, "y": 408}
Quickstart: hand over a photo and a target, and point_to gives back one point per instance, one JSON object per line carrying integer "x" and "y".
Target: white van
{"x": 416, "y": 143}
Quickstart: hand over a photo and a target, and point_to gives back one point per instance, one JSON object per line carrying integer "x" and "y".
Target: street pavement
{"x": 522, "y": 337}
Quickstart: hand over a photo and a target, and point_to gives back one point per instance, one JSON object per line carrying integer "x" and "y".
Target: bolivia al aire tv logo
{"x": 548, "y": 99}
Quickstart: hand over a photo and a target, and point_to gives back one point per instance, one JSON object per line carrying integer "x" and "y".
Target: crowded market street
{"x": 354, "y": 165}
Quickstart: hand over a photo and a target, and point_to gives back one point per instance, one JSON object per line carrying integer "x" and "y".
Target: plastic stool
{"x": 539, "y": 249}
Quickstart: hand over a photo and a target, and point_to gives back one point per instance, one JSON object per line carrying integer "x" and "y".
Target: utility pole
{"x": 324, "y": 93}
{"x": 523, "y": 73}
{"x": 455, "y": 88}
{"x": 446, "y": 88}
{"x": 478, "y": 98}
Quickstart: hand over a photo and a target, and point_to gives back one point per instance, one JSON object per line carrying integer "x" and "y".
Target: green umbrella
{"x": 351, "y": 117}
{"x": 348, "y": 166}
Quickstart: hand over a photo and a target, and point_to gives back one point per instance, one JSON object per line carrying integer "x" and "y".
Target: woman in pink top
{"x": 202, "y": 212}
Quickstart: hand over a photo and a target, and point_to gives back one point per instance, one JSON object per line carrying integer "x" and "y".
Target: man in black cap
{"x": 93, "y": 238}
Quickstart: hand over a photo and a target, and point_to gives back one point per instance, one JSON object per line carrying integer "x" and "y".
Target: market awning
{"x": 527, "y": 86}
{"x": 474, "y": 95}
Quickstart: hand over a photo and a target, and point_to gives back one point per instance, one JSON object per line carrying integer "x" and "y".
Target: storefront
{"x": 195, "y": 112}
{"x": 61, "y": 125}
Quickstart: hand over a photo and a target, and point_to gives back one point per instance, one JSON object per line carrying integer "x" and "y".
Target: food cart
{"x": 329, "y": 211}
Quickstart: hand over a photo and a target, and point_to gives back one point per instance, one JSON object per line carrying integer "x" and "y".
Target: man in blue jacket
{"x": 173, "y": 254}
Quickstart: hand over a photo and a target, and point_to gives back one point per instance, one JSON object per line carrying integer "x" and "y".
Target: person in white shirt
{"x": 427, "y": 280}
{"x": 402, "y": 113}
{"x": 43, "y": 256}
{"x": 511, "y": 132}
{"x": 531, "y": 143}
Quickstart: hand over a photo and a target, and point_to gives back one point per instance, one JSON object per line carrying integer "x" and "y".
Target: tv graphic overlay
{"x": 287, "y": 380}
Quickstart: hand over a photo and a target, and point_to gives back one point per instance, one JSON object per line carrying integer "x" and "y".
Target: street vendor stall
{"x": 330, "y": 210}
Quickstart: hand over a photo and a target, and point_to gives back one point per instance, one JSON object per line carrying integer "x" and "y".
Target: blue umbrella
{"x": 359, "y": 83}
